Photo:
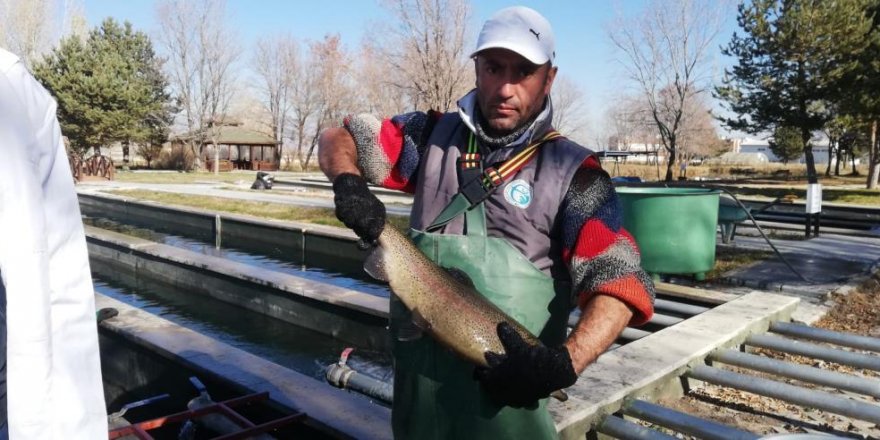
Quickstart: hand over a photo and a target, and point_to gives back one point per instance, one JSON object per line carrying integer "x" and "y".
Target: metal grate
{"x": 248, "y": 428}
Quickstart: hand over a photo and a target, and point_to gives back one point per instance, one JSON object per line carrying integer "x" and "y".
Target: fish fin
{"x": 375, "y": 264}
{"x": 409, "y": 332}
{"x": 413, "y": 328}
{"x": 559, "y": 395}
{"x": 420, "y": 321}
{"x": 459, "y": 276}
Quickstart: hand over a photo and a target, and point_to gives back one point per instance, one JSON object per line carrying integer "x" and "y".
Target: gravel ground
{"x": 857, "y": 312}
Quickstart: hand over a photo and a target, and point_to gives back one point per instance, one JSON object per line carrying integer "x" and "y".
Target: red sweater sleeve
{"x": 390, "y": 150}
{"x": 601, "y": 255}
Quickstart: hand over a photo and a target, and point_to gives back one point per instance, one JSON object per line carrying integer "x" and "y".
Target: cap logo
{"x": 537, "y": 35}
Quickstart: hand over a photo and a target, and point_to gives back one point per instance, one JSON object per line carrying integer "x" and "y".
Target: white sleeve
{"x": 53, "y": 366}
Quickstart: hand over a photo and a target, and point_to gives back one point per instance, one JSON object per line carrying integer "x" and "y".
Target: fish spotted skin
{"x": 456, "y": 315}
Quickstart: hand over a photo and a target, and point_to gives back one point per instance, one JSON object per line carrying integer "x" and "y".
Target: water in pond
{"x": 297, "y": 348}
{"x": 313, "y": 273}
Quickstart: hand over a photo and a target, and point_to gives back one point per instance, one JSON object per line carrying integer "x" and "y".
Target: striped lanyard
{"x": 478, "y": 183}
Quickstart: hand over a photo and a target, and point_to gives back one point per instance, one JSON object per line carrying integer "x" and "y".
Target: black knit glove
{"x": 526, "y": 373}
{"x": 357, "y": 207}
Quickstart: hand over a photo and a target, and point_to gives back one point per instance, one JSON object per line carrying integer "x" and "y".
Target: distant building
{"x": 751, "y": 145}
{"x": 637, "y": 153}
{"x": 239, "y": 148}
{"x": 115, "y": 152}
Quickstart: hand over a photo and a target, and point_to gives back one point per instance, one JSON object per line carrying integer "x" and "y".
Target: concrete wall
{"x": 305, "y": 243}
{"x": 348, "y": 315}
{"x": 144, "y": 355}
{"x": 131, "y": 373}
{"x": 654, "y": 364}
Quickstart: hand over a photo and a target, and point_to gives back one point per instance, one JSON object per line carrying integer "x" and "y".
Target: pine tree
{"x": 786, "y": 143}
{"x": 109, "y": 88}
{"x": 791, "y": 62}
{"x": 862, "y": 102}
{"x": 68, "y": 74}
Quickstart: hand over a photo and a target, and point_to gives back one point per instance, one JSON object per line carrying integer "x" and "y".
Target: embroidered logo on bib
{"x": 518, "y": 193}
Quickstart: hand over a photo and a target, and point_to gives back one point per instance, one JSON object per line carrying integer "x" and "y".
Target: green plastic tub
{"x": 729, "y": 214}
{"x": 674, "y": 228}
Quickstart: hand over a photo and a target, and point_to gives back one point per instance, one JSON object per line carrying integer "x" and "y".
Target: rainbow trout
{"x": 454, "y": 313}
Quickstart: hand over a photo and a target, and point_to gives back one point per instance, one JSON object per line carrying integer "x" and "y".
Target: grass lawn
{"x": 276, "y": 211}
{"x": 762, "y": 182}
{"x": 829, "y": 194}
{"x": 184, "y": 177}
{"x": 730, "y": 258}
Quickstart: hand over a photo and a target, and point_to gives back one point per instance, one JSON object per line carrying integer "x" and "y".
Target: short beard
{"x": 489, "y": 136}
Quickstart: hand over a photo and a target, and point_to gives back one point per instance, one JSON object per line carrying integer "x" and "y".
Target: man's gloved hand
{"x": 357, "y": 207}
{"x": 525, "y": 373}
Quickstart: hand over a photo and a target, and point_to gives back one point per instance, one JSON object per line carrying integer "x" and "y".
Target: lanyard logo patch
{"x": 518, "y": 193}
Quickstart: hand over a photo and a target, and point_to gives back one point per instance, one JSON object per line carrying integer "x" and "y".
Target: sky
{"x": 584, "y": 51}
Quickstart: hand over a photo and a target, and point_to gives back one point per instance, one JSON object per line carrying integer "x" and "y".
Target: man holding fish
{"x": 516, "y": 225}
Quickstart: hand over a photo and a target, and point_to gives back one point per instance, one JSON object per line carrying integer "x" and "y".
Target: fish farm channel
{"x": 263, "y": 307}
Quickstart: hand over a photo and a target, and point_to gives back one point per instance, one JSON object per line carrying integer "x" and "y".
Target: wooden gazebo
{"x": 239, "y": 149}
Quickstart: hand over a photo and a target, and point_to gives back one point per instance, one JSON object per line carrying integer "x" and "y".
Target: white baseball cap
{"x": 519, "y": 29}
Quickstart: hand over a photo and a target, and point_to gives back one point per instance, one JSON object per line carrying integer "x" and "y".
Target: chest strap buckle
{"x": 481, "y": 186}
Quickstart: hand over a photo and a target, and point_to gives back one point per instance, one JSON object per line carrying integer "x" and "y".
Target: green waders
{"x": 435, "y": 394}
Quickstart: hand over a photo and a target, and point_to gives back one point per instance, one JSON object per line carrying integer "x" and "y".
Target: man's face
{"x": 510, "y": 89}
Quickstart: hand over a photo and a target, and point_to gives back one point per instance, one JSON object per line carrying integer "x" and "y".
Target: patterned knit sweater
{"x": 601, "y": 256}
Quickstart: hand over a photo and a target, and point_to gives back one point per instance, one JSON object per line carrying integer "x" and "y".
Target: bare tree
{"x": 305, "y": 103}
{"x": 429, "y": 50}
{"x": 618, "y": 129}
{"x": 247, "y": 110}
{"x": 665, "y": 51}
{"x": 602, "y": 140}
{"x": 568, "y": 107}
{"x": 627, "y": 120}
{"x": 150, "y": 151}
{"x": 202, "y": 50}
{"x": 333, "y": 81}
{"x": 699, "y": 135}
{"x": 379, "y": 86}
{"x": 275, "y": 62}
{"x": 75, "y": 22}
{"x": 26, "y": 27}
